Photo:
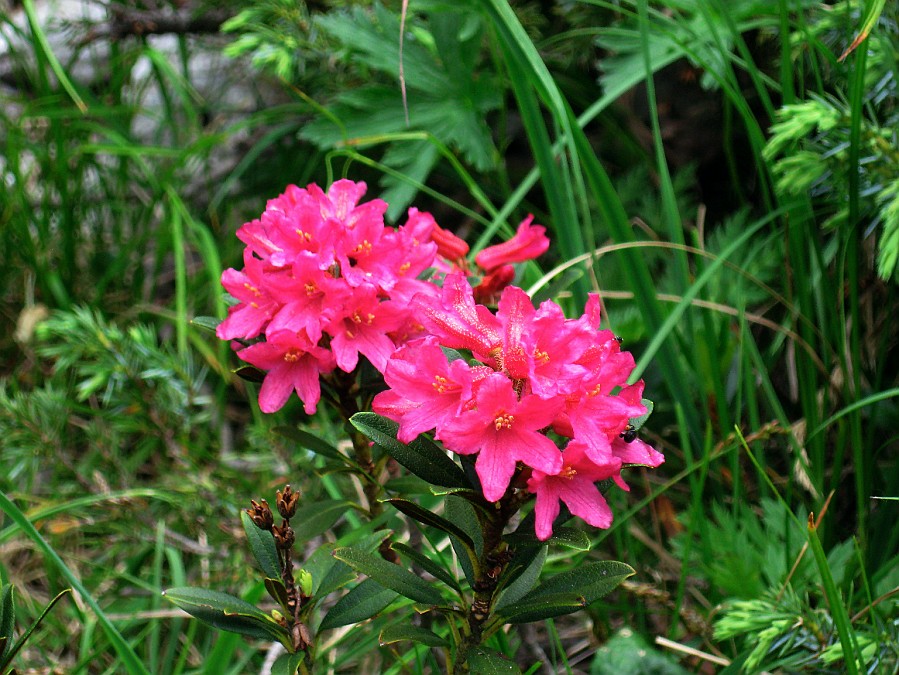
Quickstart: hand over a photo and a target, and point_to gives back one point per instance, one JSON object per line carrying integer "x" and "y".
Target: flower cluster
{"x": 324, "y": 280}
{"x": 534, "y": 371}
{"x": 544, "y": 401}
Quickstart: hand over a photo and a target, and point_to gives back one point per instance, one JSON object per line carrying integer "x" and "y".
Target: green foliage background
{"x": 727, "y": 183}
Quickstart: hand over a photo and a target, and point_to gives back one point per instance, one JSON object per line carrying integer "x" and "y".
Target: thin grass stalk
{"x": 46, "y": 53}
{"x": 851, "y": 655}
{"x": 852, "y": 351}
{"x": 178, "y": 254}
{"x": 669, "y": 201}
{"x": 787, "y": 76}
{"x": 154, "y": 640}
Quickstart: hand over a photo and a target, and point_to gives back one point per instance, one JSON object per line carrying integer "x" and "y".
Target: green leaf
{"x": 592, "y": 581}
{"x": 569, "y": 537}
{"x": 422, "y": 457}
{"x": 544, "y": 607}
{"x": 428, "y": 565}
{"x": 516, "y": 590}
{"x": 7, "y": 619}
{"x": 567, "y": 592}
{"x": 426, "y": 517}
{"x": 328, "y": 573}
{"x": 398, "y": 632}
{"x": 488, "y": 662}
{"x": 638, "y": 422}
{"x": 287, "y": 664}
{"x": 310, "y": 521}
{"x": 277, "y": 590}
{"x": 310, "y": 442}
{"x": 262, "y": 544}
{"x": 227, "y": 612}
{"x": 249, "y": 373}
{"x": 390, "y": 576}
{"x": 361, "y": 603}
{"x": 209, "y": 323}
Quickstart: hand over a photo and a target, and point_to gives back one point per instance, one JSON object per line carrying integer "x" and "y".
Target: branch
{"x": 129, "y": 22}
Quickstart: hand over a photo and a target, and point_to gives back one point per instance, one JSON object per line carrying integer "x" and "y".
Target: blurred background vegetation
{"x": 727, "y": 182}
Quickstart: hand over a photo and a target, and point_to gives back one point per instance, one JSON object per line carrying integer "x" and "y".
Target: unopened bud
{"x": 305, "y": 581}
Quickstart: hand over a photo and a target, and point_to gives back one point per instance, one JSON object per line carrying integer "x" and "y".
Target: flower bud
{"x": 305, "y": 581}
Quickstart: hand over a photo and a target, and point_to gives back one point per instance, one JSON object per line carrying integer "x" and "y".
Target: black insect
{"x": 629, "y": 434}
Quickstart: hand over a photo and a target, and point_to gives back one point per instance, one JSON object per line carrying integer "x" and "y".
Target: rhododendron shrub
{"x": 444, "y": 368}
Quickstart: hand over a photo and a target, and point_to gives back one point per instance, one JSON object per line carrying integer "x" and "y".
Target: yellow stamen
{"x": 503, "y": 421}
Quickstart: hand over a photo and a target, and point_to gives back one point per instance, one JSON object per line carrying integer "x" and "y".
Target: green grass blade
{"x": 47, "y": 52}
{"x": 129, "y": 659}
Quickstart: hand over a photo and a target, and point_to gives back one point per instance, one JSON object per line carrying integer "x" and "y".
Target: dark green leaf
{"x": 361, "y": 603}
{"x": 463, "y": 514}
{"x": 390, "y": 576}
{"x": 459, "y": 510}
{"x": 310, "y": 442}
{"x": 209, "y": 323}
{"x": 328, "y": 573}
{"x": 569, "y": 537}
{"x": 426, "y": 517}
{"x": 262, "y": 544}
{"x": 592, "y": 581}
{"x": 422, "y": 457}
{"x": 250, "y": 374}
{"x": 226, "y": 612}
{"x": 398, "y": 632}
{"x": 488, "y": 662}
{"x": 313, "y": 519}
{"x": 516, "y": 590}
{"x": 428, "y": 565}
{"x": 544, "y": 607}
{"x": 277, "y": 590}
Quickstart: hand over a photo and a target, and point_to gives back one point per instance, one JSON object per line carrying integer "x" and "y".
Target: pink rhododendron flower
{"x": 574, "y": 484}
{"x": 457, "y": 321}
{"x": 503, "y": 430}
{"x": 426, "y": 390}
{"x": 293, "y": 364}
{"x": 528, "y": 243}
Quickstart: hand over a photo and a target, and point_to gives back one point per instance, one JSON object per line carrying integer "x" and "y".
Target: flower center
{"x": 441, "y": 384}
{"x": 503, "y": 421}
{"x": 292, "y": 355}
